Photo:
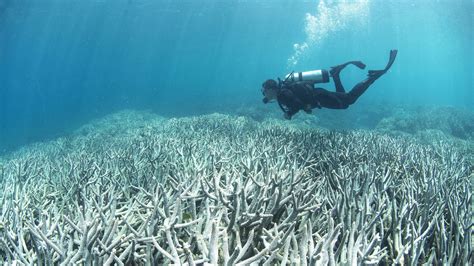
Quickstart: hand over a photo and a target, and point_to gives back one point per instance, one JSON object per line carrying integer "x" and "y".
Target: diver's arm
{"x": 288, "y": 113}
{"x": 291, "y": 113}
{"x": 289, "y": 103}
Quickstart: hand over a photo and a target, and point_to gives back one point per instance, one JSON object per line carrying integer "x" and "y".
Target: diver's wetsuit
{"x": 302, "y": 96}
{"x": 295, "y": 97}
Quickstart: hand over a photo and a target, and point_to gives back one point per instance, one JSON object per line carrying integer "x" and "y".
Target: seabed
{"x": 138, "y": 189}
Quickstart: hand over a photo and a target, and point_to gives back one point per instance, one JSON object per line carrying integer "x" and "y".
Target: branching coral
{"x": 452, "y": 121}
{"x": 225, "y": 190}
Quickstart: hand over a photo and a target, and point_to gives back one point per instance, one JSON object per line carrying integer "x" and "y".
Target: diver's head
{"x": 269, "y": 90}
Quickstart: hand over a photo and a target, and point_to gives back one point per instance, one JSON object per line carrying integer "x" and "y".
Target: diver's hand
{"x": 287, "y": 116}
{"x": 307, "y": 109}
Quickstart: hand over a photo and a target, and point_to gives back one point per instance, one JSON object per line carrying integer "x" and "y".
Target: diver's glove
{"x": 287, "y": 116}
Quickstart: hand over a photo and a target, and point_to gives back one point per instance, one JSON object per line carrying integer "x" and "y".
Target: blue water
{"x": 64, "y": 62}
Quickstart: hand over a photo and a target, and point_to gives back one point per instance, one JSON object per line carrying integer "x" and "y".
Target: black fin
{"x": 358, "y": 64}
{"x": 336, "y": 69}
{"x": 377, "y": 73}
{"x": 393, "y": 55}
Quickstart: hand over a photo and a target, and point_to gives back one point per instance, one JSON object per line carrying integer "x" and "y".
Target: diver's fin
{"x": 393, "y": 55}
{"x": 336, "y": 69}
{"x": 377, "y": 73}
{"x": 358, "y": 64}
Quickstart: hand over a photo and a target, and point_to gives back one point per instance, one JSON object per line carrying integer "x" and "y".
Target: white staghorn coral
{"x": 227, "y": 190}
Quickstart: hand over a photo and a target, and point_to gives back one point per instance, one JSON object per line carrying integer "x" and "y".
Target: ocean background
{"x": 133, "y": 132}
{"x": 65, "y": 62}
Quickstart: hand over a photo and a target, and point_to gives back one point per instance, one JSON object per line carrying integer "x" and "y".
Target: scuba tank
{"x": 313, "y": 76}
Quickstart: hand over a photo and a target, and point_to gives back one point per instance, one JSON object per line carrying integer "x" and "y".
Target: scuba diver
{"x": 297, "y": 91}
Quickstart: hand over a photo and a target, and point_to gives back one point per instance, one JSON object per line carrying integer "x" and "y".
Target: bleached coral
{"x": 228, "y": 190}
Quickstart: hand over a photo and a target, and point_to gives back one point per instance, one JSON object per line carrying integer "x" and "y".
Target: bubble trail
{"x": 330, "y": 17}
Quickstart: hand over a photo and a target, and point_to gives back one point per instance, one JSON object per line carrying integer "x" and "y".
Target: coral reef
{"x": 229, "y": 190}
{"x": 449, "y": 120}
{"x": 359, "y": 117}
{"x": 386, "y": 118}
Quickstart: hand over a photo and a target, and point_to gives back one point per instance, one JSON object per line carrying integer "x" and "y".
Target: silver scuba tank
{"x": 314, "y": 76}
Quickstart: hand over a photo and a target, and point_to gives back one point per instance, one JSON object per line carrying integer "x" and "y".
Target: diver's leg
{"x": 337, "y": 82}
{"x": 337, "y": 69}
{"x": 373, "y": 75}
{"x": 358, "y": 90}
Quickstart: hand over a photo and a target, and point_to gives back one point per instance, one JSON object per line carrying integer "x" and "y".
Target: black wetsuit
{"x": 299, "y": 96}
{"x": 293, "y": 97}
